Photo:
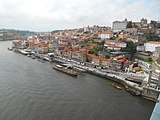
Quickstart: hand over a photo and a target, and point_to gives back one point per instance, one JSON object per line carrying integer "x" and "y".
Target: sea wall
{"x": 133, "y": 88}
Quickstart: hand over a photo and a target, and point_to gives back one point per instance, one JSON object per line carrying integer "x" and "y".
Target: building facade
{"x": 105, "y": 35}
{"x": 156, "y": 54}
{"x": 114, "y": 45}
{"x": 151, "y": 45}
{"x": 119, "y": 25}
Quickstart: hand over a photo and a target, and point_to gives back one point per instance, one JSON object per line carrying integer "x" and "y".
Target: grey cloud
{"x": 48, "y": 15}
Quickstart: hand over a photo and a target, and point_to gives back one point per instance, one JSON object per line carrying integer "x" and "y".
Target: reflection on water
{"x": 32, "y": 90}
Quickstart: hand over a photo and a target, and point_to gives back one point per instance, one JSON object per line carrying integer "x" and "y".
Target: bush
{"x": 149, "y": 60}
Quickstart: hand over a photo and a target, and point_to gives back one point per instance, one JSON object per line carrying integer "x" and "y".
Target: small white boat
{"x": 10, "y": 49}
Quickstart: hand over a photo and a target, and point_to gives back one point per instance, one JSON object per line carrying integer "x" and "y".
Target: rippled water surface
{"x": 32, "y": 90}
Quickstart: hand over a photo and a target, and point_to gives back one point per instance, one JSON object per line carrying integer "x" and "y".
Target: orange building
{"x": 97, "y": 60}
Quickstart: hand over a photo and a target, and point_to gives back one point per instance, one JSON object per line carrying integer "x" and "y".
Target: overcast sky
{"x": 47, "y": 15}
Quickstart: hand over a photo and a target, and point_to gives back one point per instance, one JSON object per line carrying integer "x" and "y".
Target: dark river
{"x": 32, "y": 90}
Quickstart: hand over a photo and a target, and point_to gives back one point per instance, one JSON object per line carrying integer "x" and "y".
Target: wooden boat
{"x": 116, "y": 86}
{"x": 65, "y": 70}
{"x": 73, "y": 67}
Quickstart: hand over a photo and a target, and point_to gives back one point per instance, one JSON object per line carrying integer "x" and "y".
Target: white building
{"x": 112, "y": 47}
{"x": 131, "y": 30}
{"x": 114, "y": 44}
{"x": 110, "y": 42}
{"x": 158, "y": 31}
{"x": 150, "y": 46}
{"x": 119, "y": 25}
{"x": 140, "y": 48}
{"x": 156, "y": 54}
{"x": 134, "y": 40}
{"x": 121, "y": 44}
{"x": 105, "y": 35}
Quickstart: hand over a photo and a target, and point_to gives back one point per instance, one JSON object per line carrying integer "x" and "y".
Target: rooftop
{"x": 136, "y": 22}
{"x": 153, "y": 42}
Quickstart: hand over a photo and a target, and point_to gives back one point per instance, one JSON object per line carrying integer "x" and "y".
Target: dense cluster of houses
{"x": 76, "y": 43}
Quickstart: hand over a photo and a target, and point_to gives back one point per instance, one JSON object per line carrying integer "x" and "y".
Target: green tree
{"x": 107, "y": 56}
{"x": 94, "y": 50}
{"x": 129, "y": 25}
{"x": 87, "y": 32}
{"x": 151, "y": 37}
{"x": 91, "y": 52}
{"x": 154, "y": 23}
{"x": 100, "y": 46}
{"x": 158, "y": 25}
{"x": 96, "y": 54}
{"x": 150, "y": 60}
{"x": 130, "y": 47}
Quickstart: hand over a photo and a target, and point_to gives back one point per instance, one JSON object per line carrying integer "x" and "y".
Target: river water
{"x": 32, "y": 90}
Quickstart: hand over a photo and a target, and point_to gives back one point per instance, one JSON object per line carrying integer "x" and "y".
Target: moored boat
{"x": 116, "y": 86}
{"x": 65, "y": 70}
{"x": 26, "y": 51}
{"x": 10, "y": 49}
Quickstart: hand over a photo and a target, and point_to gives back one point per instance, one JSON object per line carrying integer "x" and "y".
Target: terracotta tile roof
{"x": 143, "y": 28}
{"x": 111, "y": 40}
{"x": 118, "y": 57}
{"x": 136, "y": 22}
{"x": 17, "y": 41}
{"x": 92, "y": 56}
{"x": 117, "y": 47}
{"x": 43, "y": 45}
{"x": 121, "y": 60}
{"x": 131, "y": 28}
{"x": 109, "y": 45}
{"x": 153, "y": 42}
{"x": 105, "y": 32}
{"x": 127, "y": 61}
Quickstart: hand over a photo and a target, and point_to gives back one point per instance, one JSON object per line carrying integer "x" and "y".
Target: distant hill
{"x": 55, "y": 31}
{"x": 11, "y": 34}
{"x": 21, "y": 32}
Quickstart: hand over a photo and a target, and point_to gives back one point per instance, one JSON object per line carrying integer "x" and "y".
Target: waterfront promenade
{"x": 134, "y": 83}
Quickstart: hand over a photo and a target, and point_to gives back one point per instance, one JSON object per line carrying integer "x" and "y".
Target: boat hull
{"x": 116, "y": 86}
{"x": 67, "y": 71}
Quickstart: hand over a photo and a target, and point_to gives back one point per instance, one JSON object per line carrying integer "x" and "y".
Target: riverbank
{"x": 132, "y": 82}
{"x": 135, "y": 89}
{"x": 33, "y": 90}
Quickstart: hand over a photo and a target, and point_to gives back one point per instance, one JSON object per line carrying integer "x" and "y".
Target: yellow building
{"x": 121, "y": 36}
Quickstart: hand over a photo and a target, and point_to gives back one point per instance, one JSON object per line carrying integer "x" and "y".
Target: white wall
{"x": 104, "y": 36}
{"x": 151, "y": 47}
